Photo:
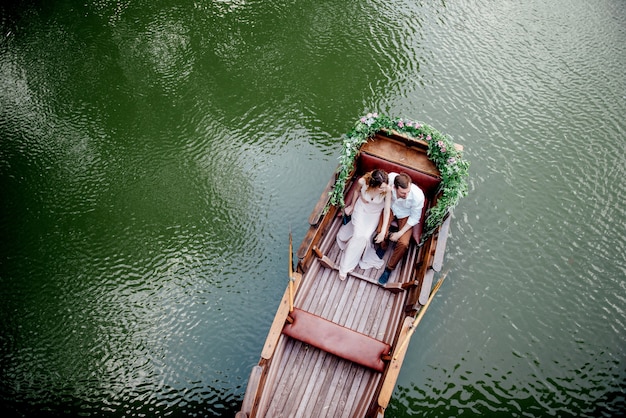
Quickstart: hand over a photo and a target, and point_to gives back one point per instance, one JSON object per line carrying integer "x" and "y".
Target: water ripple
{"x": 152, "y": 153}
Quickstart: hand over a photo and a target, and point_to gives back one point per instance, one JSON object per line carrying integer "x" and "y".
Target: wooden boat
{"x": 336, "y": 347}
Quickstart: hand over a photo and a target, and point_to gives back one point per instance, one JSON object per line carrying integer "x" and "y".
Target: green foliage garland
{"x": 441, "y": 151}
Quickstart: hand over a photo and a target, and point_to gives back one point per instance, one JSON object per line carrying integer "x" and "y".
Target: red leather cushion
{"x": 336, "y": 339}
{"x": 429, "y": 184}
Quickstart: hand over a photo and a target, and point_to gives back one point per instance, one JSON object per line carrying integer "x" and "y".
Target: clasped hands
{"x": 380, "y": 237}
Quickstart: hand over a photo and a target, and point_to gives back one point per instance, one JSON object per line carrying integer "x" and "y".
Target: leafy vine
{"x": 441, "y": 151}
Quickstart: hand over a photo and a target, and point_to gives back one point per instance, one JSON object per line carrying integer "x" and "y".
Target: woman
{"x": 370, "y": 198}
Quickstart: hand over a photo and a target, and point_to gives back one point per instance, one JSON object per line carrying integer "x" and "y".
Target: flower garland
{"x": 441, "y": 151}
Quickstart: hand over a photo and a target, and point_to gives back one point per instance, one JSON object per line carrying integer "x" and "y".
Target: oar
{"x": 419, "y": 317}
{"x": 291, "y": 278}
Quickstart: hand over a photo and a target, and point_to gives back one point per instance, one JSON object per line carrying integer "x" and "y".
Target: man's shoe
{"x": 380, "y": 252}
{"x": 384, "y": 278}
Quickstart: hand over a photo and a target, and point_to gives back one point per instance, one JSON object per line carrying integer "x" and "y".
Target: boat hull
{"x": 310, "y": 377}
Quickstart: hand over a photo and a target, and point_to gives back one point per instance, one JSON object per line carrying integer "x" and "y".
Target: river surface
{"x": 155, "y": 155}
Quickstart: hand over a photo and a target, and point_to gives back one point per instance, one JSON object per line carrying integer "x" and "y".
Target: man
{"x": 407, "y": 201}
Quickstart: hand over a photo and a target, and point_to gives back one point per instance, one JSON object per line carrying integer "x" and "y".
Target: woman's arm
{"x": 386, "y": 214}
{"x": 353, "y": 197}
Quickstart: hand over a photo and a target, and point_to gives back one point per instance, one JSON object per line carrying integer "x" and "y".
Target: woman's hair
{"x": 375, "y": 178}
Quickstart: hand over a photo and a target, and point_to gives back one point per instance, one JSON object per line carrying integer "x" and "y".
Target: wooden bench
{"x": 427, "y": 182}
{"x": 336, "y": 339}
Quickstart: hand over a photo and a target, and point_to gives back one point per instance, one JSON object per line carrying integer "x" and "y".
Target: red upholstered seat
{"x": 336, "y": 339}
{"x": 428, "y": 183}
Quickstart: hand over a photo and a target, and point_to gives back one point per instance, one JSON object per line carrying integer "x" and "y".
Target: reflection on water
{"x": 154, "y": 158}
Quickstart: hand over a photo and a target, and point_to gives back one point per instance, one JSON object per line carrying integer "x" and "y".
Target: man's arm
{"x": 414, "y": 218}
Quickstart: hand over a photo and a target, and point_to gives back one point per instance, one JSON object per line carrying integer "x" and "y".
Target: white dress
{"x": 355, "y": 238}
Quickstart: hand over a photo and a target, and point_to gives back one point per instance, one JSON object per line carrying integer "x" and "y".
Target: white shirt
{"x": 411, "y": 206}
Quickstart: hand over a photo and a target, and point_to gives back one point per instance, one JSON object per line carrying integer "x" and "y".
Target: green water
{"x": 155, "y": 155}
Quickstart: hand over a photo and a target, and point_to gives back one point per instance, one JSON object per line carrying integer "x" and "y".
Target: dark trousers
{"x": 402, "y": 245}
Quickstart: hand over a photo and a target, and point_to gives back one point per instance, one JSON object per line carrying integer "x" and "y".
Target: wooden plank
{"x": 394, "y": 287}
{"x": 427, "y": 252}
{"x": 391, "y": 286}
{"x": 316, "y": 277}
{"x": 401, "y": 154}
{"x": 355, "y": 394}
{"x": 374, "y": 319}
{"x": 390, "y": 325}
{"x": 299, "y": 373}
{"x": 251, "y": 390}
{"x": 279, "y": 320}
{"x": 367, "y": 315}
{"x": 337, "y": 386}
{"x": 314, "y": 234}
{"x": 284, "y": 379}
{"x": 396, "y": 313}
{"x": 358, "y": 307}
{"x": 405, "y": 138}
{"x": 296, "y": 388}
{"x": 308, "y": 285}
{"x": 305, "y": 245}
{"x": 330, "y": 263}
{"x": 344, "y": 383}
{"x": 324, "y": 296}
{"x": 355, "y": 297}
{"x": 407, "y": 263}
{"x": 274, "y": 375}
{"x": 426, "y": 286}
{"x": 393, "y": 370}
{"x": 318, "y": 210}
{"x": 370, "y": 388}
{"x": 267, "y": 393}
{"x": 328, "y": 300}
{"x": 312, "y": 389}
{"x": 324, "y": 382}
{"x": 440, "y": 249}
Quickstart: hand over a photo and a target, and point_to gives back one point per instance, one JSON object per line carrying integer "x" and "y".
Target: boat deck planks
{"x": 317, "y": 382}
